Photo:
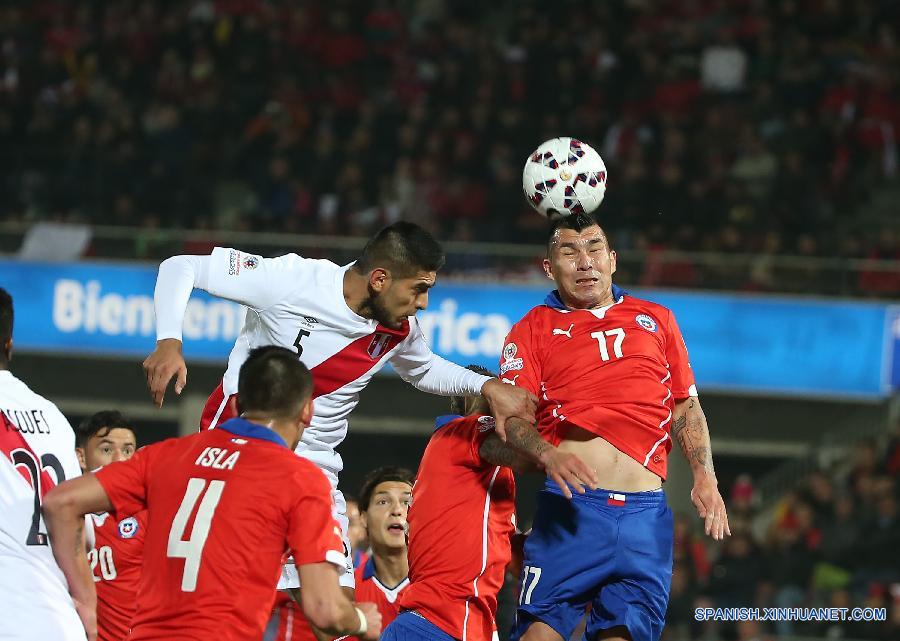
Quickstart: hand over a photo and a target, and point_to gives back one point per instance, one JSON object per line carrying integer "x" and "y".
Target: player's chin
{"x": 395, "y": 537}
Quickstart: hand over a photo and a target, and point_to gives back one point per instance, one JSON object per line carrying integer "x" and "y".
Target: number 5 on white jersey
{"x": 192, "y": 549}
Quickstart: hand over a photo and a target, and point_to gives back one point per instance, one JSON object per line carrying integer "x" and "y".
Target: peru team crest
{"x": 379, "y": 345}
{"x": 128, "y": 528}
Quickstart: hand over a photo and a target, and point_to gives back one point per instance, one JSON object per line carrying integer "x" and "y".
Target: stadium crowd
{"x": 828, "y": 542}
{"x": 750, "y": 126}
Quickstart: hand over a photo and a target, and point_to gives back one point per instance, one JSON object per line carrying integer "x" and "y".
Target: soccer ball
{"x": 564, "y": 176}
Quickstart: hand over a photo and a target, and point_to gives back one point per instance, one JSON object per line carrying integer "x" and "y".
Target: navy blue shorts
{"x": 409, "y": 626}
{"x": 596, "y": 550}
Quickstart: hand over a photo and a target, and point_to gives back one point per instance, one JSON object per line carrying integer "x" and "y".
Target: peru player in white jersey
{"x": 38, "y": 451}
{"x": 344, "y": 322}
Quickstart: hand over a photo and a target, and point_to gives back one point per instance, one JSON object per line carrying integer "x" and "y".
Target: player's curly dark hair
{"x": 463, "y": 405}
{"x": 100, "y": 424}
{"x": 381, "y": 475}
{"x": 404, "y": 248}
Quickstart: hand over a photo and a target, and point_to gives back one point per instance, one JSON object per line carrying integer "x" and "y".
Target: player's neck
{"x": 286, "y": 429}
{"x": 356, "y": 293}
{"x": 391, "y": 565}
{"x": 605, "y": 301}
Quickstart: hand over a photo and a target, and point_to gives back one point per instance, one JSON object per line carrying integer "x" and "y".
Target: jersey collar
{"x": 369, "y": 569}
{"x": 555, "y": 302}
{"x": 441, "y": 421}
{"x": 243, "y": 427}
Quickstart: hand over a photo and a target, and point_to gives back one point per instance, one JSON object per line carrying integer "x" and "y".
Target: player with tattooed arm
{"x": 616, "y": 388}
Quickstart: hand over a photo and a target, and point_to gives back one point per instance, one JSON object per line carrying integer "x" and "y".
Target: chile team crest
{"x": 128, "y": 527}
{"x": 379, "y": 345}
{"x": 646, "y": 321}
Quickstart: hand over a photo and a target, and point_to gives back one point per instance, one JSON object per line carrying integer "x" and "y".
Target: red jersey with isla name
{"x": 116, "y": 565}
{"x": 460, "y": 523}
{"x": 614, "y": 371}
{"x": 223, "y": 507}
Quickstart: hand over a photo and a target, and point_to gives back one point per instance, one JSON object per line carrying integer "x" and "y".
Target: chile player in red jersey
{"x": 115, "y": 559}
{"x": 613, "y": 376}
{"x": 223, "y": 506}
{"x": 462, "y": 519}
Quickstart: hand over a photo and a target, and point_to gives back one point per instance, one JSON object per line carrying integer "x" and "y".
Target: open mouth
{"x": 396, "y": 528}
{"x": 586, "y": 281}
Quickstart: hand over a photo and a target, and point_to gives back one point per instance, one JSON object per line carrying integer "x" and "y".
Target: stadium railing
{"x": 509, "y": 262}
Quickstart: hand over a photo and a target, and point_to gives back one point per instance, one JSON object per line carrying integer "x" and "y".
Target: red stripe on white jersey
{"x": 12, "y": 441}
{"x": 355, "y": 359}
{"x": 218, "y": 409}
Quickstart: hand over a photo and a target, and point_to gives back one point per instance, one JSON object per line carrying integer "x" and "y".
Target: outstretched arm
{"x": 690, "y": 430}
{"x": 177, "y": 278}
{"x": 525, "y": 450}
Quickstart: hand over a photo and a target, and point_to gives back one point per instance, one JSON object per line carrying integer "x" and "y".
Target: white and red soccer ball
{"x": 564, "y": 176}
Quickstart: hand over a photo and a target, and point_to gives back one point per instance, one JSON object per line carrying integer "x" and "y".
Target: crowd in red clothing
{"x": 751, "y": 126}
{"x": 829, "y": 542}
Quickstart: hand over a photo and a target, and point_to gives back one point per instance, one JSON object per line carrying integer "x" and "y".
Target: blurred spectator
{"x": 767, "y": 117}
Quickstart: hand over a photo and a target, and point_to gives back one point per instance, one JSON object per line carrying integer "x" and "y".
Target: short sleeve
{"x": 314, "y": 534}
{"x": 125, "y": 482}
{"x": 252, "y": 280}
{"x": 683, "y": 384}
{"x": 519, "y": 359}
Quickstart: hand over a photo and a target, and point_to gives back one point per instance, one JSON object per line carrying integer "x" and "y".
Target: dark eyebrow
{"x": 592, "y": 241}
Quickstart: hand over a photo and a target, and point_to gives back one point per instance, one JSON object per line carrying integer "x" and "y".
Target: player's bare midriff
{"x": 615, "y": 469}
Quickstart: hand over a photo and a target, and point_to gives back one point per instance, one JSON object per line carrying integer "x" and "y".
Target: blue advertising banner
{"x": 744, "y": 344}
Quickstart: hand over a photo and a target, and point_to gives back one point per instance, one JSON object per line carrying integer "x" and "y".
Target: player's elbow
{"x": 323, "y": 612}
{"x": 58, "y": 502}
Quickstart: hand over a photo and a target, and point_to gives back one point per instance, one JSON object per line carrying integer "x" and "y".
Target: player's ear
{"x": 79, "y": 454}
{"x": 379, "y": 278}
{"x": 612, "y": 261}
{"x": 7, "y": 349}
{"x": 548, "y": 269}
{"x": 306, "y": 413}
{"x": 364, "y": 520}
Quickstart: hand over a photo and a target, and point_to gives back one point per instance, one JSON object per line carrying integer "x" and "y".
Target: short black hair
{"x": 403, "y": 248}
{"x": 274, "y": 382}
{"x": 458, "y": 403}
{"x": 578, "y": 222}
{"x": 6, "y": 318}
{"x": 100, "y": 424}
{"x": 382, "y": 475}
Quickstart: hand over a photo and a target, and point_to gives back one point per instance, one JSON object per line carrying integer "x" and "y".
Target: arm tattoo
{"x": 79, "y": 537}
{"x": 522, "y": 450}
{"x": 692, "y": 433}
{"x": 496, "y": 452}
{"x": 525, "y": 438}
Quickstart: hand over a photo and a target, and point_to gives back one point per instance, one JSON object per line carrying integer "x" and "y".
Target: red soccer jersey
{"x": 370, "y": 589}
{"x": 460, "y": 523}
{"x": 223, "y": 506}
{"x": 116, "y": 565}
{"x": 615, "y": 371}
{"x": 293, "y": 625}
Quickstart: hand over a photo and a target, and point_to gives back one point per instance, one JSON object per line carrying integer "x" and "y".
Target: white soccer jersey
{"x": 298, "y": 303}
{"x": 38, "y": 451}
